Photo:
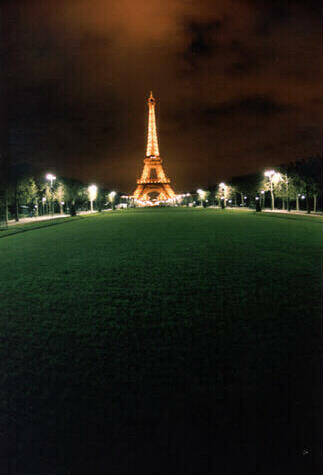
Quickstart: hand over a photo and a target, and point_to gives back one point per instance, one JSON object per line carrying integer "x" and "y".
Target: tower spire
{"x": 152, "y": 141}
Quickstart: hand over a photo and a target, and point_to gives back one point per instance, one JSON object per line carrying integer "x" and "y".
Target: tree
{"x": 274, "y": 182}
{"x": 224, "y": 193}
{"x": 59, "y": 194}
{"x": 75, "y": 194}
{"x": 47, "y": 196}
{"x": 3, "y": 190}
{"x": 101, "y": 198}
{"x": 285, "y": 189}
{"x": 247, "y": 185}
{"x": 28, "y": 194}
{"x": 307, "y": 174}
{"x": 15, "y": 186}
{"x": 112, "y": 198}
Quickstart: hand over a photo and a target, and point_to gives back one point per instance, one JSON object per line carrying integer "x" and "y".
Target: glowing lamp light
{"x": 276, "y": 177}
{"x": 303, "y": 197}
{"x": 262, "y": 192}
{"x": 93, "y": 190}
{"x": 273, "y": 176}
{"x": 201, "y": 194}
{"x": 257, "y": 198}
{"x": 51, "y": 178}
{"x": 111, "y": 196}
{"x": 245, "y": 197}
{"x": 222, "y": 185}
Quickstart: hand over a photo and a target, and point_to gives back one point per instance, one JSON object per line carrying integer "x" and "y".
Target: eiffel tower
{"x": 153, "y": 184}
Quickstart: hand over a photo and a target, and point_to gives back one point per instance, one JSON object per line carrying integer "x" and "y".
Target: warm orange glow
{"x": 152, "y": 142}
{"x": 153, "y": 179}
{"x": 147, "y": 180}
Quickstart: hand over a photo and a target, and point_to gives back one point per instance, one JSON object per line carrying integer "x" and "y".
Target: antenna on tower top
{"x": 151, "y": 99}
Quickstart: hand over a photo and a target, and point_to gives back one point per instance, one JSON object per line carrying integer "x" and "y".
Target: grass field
{"x": 161, "y": 341}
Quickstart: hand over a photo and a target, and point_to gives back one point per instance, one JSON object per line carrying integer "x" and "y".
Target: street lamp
{"x": 274, "y": 178}
{"x": 112, "y": 195}
{"x": 258, "y": 203}
{"x": 202, "y": 195}
{"x": 186, "y": 198}
{"x": 51, "y": 178}
{"x": 43, "y": 200}
{"x": 93, "y": 191}
{"x": 263, "y": 198}
{"x": 269, "y": 174}
{"x": 222, "y": 187}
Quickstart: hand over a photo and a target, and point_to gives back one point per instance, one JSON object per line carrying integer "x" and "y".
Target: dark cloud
{"x": 201, "y": 40}
{"x": 237, "y": 85}
{"x": 258, "y": 106}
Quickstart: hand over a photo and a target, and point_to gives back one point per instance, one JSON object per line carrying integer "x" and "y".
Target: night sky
{"x": 237, "y": 83}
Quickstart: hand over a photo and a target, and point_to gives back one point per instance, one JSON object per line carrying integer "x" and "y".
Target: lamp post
{"x": 270, "y": 174}
{"x": 222, "y": 187}
{"x": 263, "y": 198}
{"x": 202, "y": 195}
{"x": 274, "y": 178}
{"x": 112, "y": 196}
{"x": 93, "y": 191}
{"x": 43, "y": 200}
{"x": 287, "y": 186}
{"x": 258, "y": 203}
{"x": 51, "y": 178}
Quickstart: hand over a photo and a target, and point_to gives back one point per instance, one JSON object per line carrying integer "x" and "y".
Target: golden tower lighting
{"x": 153, "y": 186}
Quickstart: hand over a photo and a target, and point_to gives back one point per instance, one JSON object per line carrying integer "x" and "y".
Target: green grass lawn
{"x": 162, "y": 341}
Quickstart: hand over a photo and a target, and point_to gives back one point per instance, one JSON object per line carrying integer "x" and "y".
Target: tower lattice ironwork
{"x": 153, "y": 184}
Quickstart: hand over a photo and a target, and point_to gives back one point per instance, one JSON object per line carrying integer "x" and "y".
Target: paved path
{"x": 299, "y": 213}
{"x": 34, "y": 219}
{"x": 267, "y": 210}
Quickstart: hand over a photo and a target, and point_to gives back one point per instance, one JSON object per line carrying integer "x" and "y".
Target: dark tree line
{"x": 290, "y": 183}
{"x": 21, "y": 190}
{"x": 285, "y": 187}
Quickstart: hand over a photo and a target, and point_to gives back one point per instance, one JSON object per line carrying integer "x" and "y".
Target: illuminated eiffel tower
{"x": 153, "y": 184}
